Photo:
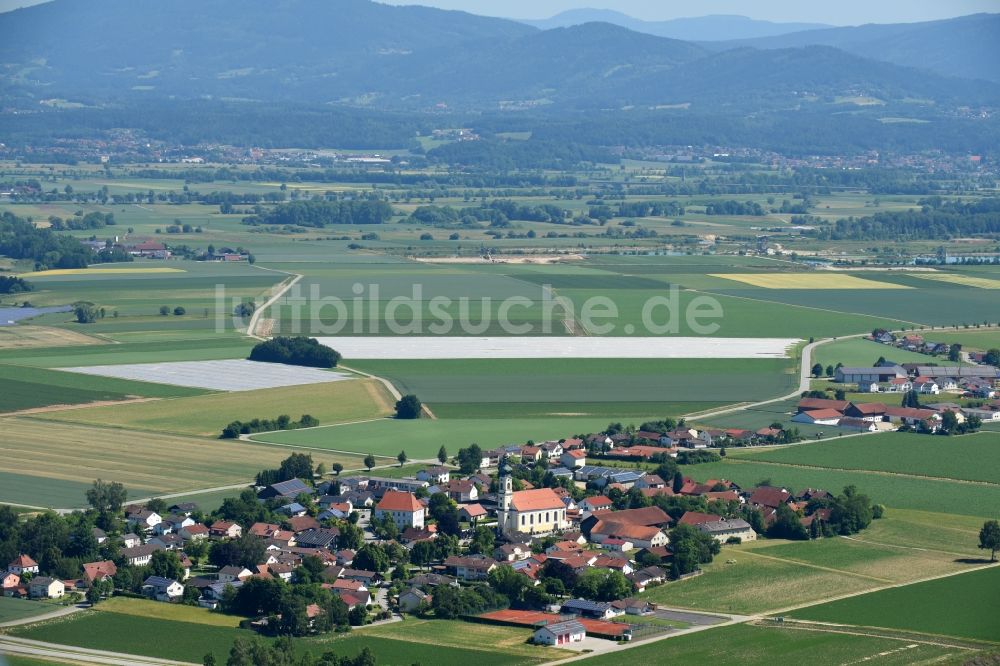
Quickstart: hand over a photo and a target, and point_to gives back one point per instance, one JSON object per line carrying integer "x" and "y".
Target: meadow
{"x": 973, "y": 457}
{"x": 207, "y": 415}
{"x": 53, "y": 463}
{"x": 855, "y": 352}
{"x": 422, "y": 438}
{"x": 755, "y": 645}
{"x": 964, "y": 606}
{"x": 17, "y": 609}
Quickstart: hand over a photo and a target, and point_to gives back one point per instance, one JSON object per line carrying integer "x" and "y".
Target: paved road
{"x": 692, "y": 617}
{"x": 59, "y": 612}
{"x": 279, "y": 291}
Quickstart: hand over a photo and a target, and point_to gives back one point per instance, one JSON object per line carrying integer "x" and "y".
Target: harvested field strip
{"x": 964, "y": 280}
{"x": 100, "y": 271}
{"x": 206, "y": 416}
{"x": 79, "y": 454}
{"x": 21, "y": 337}
{"x": 807, "y": 281}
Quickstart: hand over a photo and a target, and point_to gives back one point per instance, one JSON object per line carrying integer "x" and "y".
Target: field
{"x": 550, "y": 348}
{"x": 761, "y": 646}
{"x": 181, "y": 638}
{"x": 583, "y": 386}
{"x": 422, "y": 438}
{"x": 205, "y": 416}
{"x": 17, "y": 609}
{"x": 967, "y": 457}
{"x": 822, "y": 280}
{"x": 52, "y": 463}
{"x": 903, "y": 492}
{"x": 40, "y": 388}
{"x": 20, "y": 337}
{"x": 223, "y": 375}
{"x": 139, "y": 270}
{"x": 964, "y": 280}
{"x": 458, "y": 634}
{"x": 856, "y": 352}
{"x": 963, "y": 606}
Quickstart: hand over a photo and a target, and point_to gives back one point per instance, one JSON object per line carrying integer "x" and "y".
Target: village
{"x": 542, "y": 536}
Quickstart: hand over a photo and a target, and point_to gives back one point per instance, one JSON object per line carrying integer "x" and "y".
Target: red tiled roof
{"x": 540, "y": 499}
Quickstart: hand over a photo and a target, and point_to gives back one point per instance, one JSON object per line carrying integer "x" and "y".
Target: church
{"x": 538, "y": 511}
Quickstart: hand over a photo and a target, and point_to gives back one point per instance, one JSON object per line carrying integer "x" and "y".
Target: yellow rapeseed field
{"x": 824, "y": 280}
{"x": 966, "y": 280}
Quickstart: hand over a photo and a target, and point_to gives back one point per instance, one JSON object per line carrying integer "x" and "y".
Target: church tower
{"x": 505, "y": 488}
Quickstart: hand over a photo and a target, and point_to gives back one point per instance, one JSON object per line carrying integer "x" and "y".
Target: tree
{"x": 442, "y": 455}
{"x": 337, "y": 468}
{"x": 164, "y": 310}
{"x": 408, "y": 407}
{"x": 955, "y": 353}
{"x": 369, "y": 461}
{"x": 402, "y": 458}
{"x": 829, "y": 371}
{"x": 483, "y": 541}
{"x": 423, "y": 553}
{"x": 86, "y": 313}
{"x": 469, "y": 459}
{"x": 321, "y": 470}
{"x": 911, "y": 399}
{"x": 106, "y": 497}
{"x": 786, "y": 525}
{"x": 351, "y": 536}
{"x": 949, "y": 422}
{"x": 817, "y": 370}
{"x": 992, "y": 357}
{"x": 371, "y": 557}
{"x": 179, "y": 311}
{"x": 94, "y": 595}
{"x": 296, "y": 466}
{"x": 989, "y": 538}
{"x": 167, "y": 564}
{"x": 246, "y": 551}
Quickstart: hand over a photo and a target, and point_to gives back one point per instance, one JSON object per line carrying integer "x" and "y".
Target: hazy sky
{"x": 838, "y": 12}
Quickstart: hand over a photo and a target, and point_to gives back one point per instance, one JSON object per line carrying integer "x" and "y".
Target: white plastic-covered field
{"x": 556, "y": 347}
{"x": 228, "y": 375}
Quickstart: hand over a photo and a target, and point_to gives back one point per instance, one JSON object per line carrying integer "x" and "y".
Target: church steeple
{"x": 505, "y": 488}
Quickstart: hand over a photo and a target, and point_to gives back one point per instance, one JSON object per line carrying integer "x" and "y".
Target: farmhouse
{"x": 23, "y": 564}
{"x": 819, "y": 417}
{"x": 44, "y": 587}
{"x": 725, "y": 529}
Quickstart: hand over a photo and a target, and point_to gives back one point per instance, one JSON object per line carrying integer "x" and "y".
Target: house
{"x": 402, "y": 507}
{"x": 293, "y": 510}
{"x": 725, "y": 529}
{"x": 168, "y": 541}
{"x": 44, "y": 587}
{"x": 471, "y": 567}
{"x": 596, "y": 503}
{"x": 131, "y": 540}
{"x": 819, "y": 417}
{"x": 9, "y": 582}
{"x": 323, "y": 537}
{"x": 559, "y": 633}
{"x": 144, "y": 519}
{"x": 300, "y": 524}
{"x": 640, "y": 536}
{"x": 767, "y": 496}
{"x": 512, "y": 552}
{"x": 435, "y": 475}
{"x": 378, "y": 483}
{"x": 264, "y": 530}
{"x": 471, "y": 513}
{"x": 196, "y": 532}
{"x": 100, "y": 536}
{"x": 910, "y": 416}
{"x": 411, "y": 599}
{"x": 846, "y": 375}
{"x": 573, "y": 459}
{"x": 650, "y": 516}
{"x": 288, "y": 489}
{"x": 531, "y": 453}
{"x": 225, "y": 529}
{"x": 23, "y": 564}
{"x": 899, "y": 385}
{"x": 162, "y": 589}
{"x": 461, "y": 490}
{"x": 139, "y": 556}
{"x": 231, "y": 573}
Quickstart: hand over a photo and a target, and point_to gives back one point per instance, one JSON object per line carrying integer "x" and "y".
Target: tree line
{"x": 319, "y": 213}
{"x": 283, "y": 422}
{"x": 299, "y": 350}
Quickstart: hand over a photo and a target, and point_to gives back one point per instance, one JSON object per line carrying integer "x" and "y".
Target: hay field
{"x": 964, "y": 280}
{"x": 205, "y": 416}
{"x": 54, "y": 453}
{"x": 23, "y": 337}
{"x": 828, "y": 280}
{"x": 100, "y": 271}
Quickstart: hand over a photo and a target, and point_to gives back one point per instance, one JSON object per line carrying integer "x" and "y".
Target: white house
{"x": 573, "y": 459}
{"x": 43, "y": 587}
{"x": 162, "y": 589}
{"x": 404, "y": 509}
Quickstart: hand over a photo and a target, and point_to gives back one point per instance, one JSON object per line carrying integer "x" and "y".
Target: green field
{"x": 760, "y": 645}
{"x": 903, "y": 492}
{"x": 858, "y": 352}
{"x": 190, "y": 641}
{"x": 554, "y": 386}
{"x": 206, "y": 416}
{"x": 43, "y": 388}
{"x": 968, "y": 457}
{"x": 18, "y": 609}
{"x": 964, "y": 606}
{"x": 422, "y": 438}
